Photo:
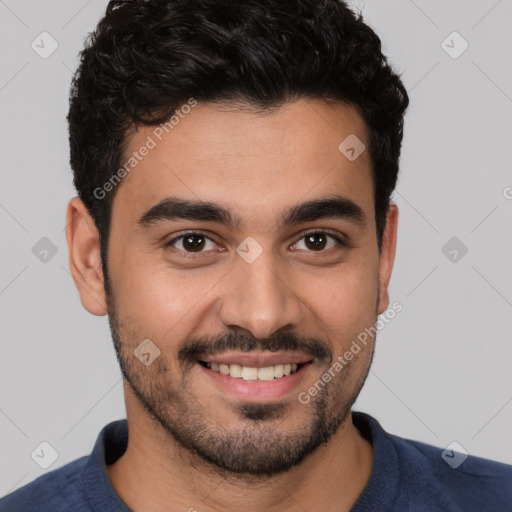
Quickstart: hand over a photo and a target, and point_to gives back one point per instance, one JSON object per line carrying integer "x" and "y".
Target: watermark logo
{"x": 454, "y": 455}
{"x": 454, "y": 249}
{"x": 454, "y": 45}
{"x": 44, "y": 455}
{"x": 352, "y": 147}
{"x": 44, "y": 250}
{"x": 249, "y": 249}
{"x": 44, "y": 45}
{"x": 146, "y": 352}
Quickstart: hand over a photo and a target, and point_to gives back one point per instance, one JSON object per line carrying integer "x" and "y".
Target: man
{"x": 234, "y": 164}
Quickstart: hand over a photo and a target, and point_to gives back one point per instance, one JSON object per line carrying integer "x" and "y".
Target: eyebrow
{"x": 175, "y": 208}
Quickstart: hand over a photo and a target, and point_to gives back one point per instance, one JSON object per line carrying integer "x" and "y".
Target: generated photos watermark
{"x": 150, "y": 143}
{"x": 357, "y": 345}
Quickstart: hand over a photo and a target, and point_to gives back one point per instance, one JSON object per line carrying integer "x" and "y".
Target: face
{"x": 266, "y": 256}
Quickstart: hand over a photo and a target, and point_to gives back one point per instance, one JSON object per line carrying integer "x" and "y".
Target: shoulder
{"x": 56, "y": 491}
{"x": 415, "y": 476}
{"x": 82, "y": 485}
{"x": 455, "y": 477}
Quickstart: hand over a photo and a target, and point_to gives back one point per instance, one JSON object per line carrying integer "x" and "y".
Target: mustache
{"x": 235, "y": 341}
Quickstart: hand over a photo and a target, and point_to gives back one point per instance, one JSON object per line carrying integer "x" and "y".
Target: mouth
{"x": 265, "y": 373}
{"x": 256, "y": 383}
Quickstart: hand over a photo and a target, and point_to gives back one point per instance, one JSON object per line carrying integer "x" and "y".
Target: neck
{"x": 156, "y": 471}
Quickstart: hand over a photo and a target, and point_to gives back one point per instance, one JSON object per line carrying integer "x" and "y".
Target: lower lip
{"x": 257, "y": 390}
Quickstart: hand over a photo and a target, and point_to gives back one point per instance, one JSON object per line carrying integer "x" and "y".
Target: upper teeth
{"x": 248, "y": 373}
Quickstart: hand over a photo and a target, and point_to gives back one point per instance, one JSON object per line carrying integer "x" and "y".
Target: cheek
{"x": 161, "y": 302}
{"x": 345, "y": 298}
{"x": 158, "y": 301}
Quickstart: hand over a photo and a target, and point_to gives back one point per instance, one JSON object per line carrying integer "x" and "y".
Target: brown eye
{"x": 318, "y": 241}
{"x": 194, "y": 242}
{"x": 191, "y": 242}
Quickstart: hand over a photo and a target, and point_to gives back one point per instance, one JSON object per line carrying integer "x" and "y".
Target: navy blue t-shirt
{"x": 406, "y": 476}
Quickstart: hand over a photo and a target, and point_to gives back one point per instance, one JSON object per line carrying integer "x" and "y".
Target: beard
{"x": 259, "y": 446}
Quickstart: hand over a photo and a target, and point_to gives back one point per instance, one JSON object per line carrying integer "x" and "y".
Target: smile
{"x": 237, "y": 371}
{"x": 256, "y": 383}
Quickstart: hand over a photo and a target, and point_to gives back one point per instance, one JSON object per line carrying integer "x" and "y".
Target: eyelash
{"x": 197, "y": 233}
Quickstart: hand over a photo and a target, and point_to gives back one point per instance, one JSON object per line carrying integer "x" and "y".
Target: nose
{"x": 260, "y": 298}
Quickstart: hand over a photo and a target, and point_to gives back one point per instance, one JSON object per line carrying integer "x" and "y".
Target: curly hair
{"x": 145, "y": 58}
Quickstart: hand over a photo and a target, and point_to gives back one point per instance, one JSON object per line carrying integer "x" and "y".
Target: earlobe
{"x": 387, "y": 256}
{"x": 84, "y": 257}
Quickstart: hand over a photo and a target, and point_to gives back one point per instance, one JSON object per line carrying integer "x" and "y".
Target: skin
{"x": 259, "y": 165}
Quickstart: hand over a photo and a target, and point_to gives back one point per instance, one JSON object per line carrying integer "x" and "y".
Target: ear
{"x": 84, "y": 257}
{"x": 387, "y": 256}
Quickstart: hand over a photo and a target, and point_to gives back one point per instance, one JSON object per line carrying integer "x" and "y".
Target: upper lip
{"x": 256, "y": 360}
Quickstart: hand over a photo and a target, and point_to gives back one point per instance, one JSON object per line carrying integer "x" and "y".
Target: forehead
{"x": 251, "y": 162}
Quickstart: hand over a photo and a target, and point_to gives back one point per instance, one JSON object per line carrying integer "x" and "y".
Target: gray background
{"x": 442, "y": 366}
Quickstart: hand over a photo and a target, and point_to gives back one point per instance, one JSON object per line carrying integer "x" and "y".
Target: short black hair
{"x": 145, "y": 58}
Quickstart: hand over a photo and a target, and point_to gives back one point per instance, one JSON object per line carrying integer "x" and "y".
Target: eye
{"x": 192, "y": 242}
{"x": 318, "y": 241}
